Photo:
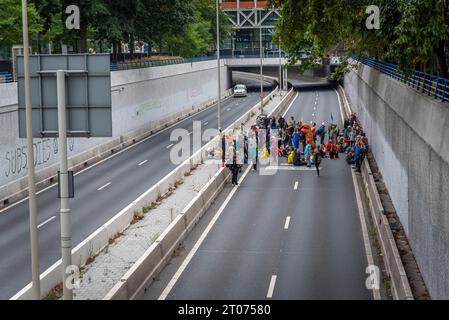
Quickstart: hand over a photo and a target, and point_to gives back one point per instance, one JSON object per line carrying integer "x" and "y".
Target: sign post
{"x": 28, "y": 130}
{"x": 84, "y": 112}
{"x": 66, "y": 234}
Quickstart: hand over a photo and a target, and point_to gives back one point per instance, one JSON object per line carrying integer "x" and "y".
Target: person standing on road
{"x": 308, "y": 154}
{"x": 296, "y": 140}
{"x": 318, "y": 157}
{"x": 322, "y": 133}
{"x": 293, "y": 122}
{"x": 358, "y": 156}
{"x": 235, "y": 174}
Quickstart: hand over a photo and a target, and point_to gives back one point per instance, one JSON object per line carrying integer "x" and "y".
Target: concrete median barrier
{"x": 400, "y": 286}
{"x": 133, "y": 283}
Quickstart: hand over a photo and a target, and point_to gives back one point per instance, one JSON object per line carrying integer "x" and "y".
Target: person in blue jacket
{"x": 296, "y": 140}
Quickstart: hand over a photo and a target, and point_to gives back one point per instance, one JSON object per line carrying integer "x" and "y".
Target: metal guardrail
{"x": 425, "y": 83}
{"x": 6, "y": 77}
{"x": 119, "y": 66}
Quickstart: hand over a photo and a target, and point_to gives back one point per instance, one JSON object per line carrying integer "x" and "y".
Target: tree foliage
{"x": 175, "y": 26}
{"x": 413, "y": 33}
{"x": 11, "y": 22}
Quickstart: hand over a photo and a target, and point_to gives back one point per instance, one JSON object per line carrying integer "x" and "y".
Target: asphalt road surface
{"x": 100, "y": 193}
{"x": 289, "y": 236}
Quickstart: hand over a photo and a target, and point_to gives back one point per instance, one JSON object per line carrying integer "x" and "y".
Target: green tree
{"x": 11, "y": 22}
{"x": 199, "y": 37}
{"x": 90, "y": 10}
{"x": 412, "y": 34}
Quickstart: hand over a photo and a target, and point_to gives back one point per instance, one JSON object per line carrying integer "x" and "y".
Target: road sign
{"x": 88, "y": 95}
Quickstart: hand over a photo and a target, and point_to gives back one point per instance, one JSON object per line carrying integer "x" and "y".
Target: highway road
{"x": 289, "y": 236}
{"x": 100, "y": 192}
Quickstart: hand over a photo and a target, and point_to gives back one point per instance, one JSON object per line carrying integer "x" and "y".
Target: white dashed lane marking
{"x": 271, "y": 287}
{"x": 46, "y": 221}
{"x": 142, "y": 163}
{"x": 104, "y": 187}
{"x": 287, "y": 223}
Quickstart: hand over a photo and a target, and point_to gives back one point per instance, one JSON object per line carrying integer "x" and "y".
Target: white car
{"x": 240, "y": 90}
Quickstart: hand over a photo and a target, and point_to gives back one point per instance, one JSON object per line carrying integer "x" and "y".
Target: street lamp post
{"x": 30, "y": 157}
{"x": 280, "y": 66}
{"x": 261, "y": 70}
{"x": 218, "y": 2}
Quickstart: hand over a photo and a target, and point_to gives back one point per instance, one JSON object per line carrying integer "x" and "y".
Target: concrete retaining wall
{"x": 143, "y": 101}
{"x": 409, "y": 135}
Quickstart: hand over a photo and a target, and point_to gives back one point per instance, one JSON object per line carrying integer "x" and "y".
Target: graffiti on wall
{"x": 16, "y": 161}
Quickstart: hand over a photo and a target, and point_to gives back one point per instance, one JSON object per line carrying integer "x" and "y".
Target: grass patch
{"x": 373, "y": 232}
{"x": 136, "y": 218}
{"x": 387, "y": 284}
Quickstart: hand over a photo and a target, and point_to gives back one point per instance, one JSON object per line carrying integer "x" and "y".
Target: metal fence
{"x": 431, "y": 85}
{"x": 6, "y": 77}
{"x": 119, "y": 66}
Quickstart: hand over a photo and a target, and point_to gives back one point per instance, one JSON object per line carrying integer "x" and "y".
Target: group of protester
{"x": 357, "y": 143}
{"x": 297, "y": 139}
{"x": 304, "y": 143}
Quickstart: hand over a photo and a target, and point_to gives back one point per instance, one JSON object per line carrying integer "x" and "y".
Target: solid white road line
{"x": 206, "y": 123}
{"x": 46, "y": 221}
{"x": 287, "y": 223}
{"x": 203, "y": 236}
{"x": 363, "y": 224}
{"x": 168, "y": 147}
{"x": 291, "y": 104}
{"x": 271, "y": 287}
{"x": 105, "y": 186}
{"x": 296, "y": 185}
{"x": 142, "y": 163}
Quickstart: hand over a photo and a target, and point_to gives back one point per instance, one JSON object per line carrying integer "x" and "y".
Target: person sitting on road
{"x": 332, "y": 150}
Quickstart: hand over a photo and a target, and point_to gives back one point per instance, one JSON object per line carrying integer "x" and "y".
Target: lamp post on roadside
{"x": 280, "y": 66}
{"x": 218, "y": 2}
{"x": 30, "y": 157}
{"x": 261, "y": 66}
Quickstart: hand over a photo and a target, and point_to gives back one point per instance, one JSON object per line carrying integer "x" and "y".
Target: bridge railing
{"x": 6, "y": 77}
{"x": 119, "y": 66}
{"x": 431, "y": 85}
